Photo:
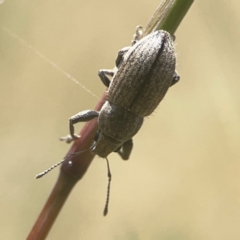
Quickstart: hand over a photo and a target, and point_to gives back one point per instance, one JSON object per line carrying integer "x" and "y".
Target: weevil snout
{"x": 103, "y": 145}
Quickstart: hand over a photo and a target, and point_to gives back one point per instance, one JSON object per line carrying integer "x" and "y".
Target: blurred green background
{"x": 183, "y": 178}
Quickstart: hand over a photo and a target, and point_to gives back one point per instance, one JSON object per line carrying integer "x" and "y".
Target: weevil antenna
{"x": 41, "y": 174}
{"x": 105, "y": 211}
{"x": 57, "y": 164}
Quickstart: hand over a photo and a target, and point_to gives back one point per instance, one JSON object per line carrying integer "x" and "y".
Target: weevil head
{"x": 103, "y": 145}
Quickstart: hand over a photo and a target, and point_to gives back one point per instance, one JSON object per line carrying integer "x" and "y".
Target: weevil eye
{"x": 96, "y": 137}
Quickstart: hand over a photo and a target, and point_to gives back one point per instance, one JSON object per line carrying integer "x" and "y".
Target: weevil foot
{"x": 69, "y": 138}
{"x": 137, "y": 35}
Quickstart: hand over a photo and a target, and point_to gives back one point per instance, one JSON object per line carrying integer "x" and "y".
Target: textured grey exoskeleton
{"x": 143, "y": 74}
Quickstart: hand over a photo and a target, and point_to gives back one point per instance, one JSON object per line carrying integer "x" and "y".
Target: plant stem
{"x": 168, "y": 17}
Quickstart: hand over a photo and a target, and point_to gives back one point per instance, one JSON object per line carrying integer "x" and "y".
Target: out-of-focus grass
{"x": 183, "y": 178}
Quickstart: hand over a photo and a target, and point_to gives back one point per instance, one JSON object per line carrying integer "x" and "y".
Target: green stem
{"x": 168, "y": 16}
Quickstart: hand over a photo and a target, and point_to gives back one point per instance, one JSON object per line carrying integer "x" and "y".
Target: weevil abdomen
{"x": 145, "y": 74}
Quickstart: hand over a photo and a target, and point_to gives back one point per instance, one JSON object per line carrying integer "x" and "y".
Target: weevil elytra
{"x": 143, "y": 74}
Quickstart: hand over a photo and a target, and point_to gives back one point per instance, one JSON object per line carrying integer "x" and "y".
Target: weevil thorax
{"x": 144, "y": 75}
{"x": 115, "y": 126}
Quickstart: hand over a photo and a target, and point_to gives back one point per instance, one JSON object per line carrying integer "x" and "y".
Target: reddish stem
{"x": 71, "y": 171}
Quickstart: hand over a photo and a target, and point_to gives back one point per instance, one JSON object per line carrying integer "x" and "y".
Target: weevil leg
{"x": 102, "y": 73}
{"x": 120, "y": 55}
{"x": 83, "y": 116}
{"x": 126, "y": 149}
{"x": 175, "y": 79}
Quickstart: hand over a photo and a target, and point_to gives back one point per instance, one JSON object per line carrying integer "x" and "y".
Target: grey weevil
{"x": 143, "y": 74}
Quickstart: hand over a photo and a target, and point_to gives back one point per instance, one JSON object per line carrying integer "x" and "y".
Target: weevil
{"x": 143, "y": 74}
